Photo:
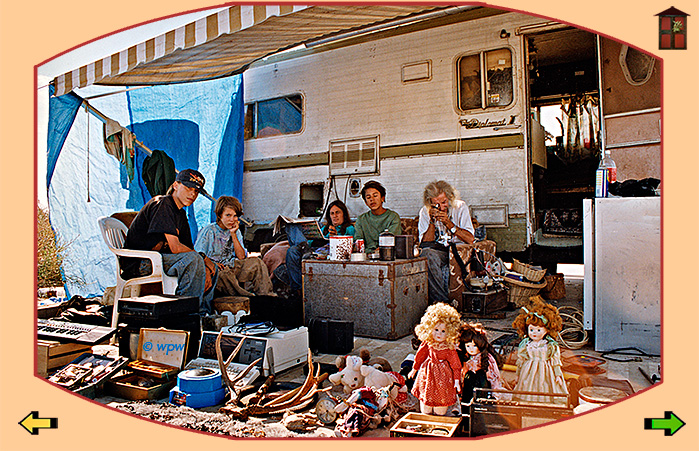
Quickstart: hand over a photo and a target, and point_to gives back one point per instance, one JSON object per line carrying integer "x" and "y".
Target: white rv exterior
{"x": 402, "y": 91}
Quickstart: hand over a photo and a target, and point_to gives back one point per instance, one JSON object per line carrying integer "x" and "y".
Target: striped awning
{"x": 225, "y": 43}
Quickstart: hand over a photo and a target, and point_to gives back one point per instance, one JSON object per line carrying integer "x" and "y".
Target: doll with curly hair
{"x": 538, "y": 354}
{"x": 436, "y": 362}
{"x": 479, "y": 358}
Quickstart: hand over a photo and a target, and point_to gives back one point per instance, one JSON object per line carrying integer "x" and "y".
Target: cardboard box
{"x": 51, "y": 355}
{"x": 161, "y": 355}
{"x": 414, "y": 424}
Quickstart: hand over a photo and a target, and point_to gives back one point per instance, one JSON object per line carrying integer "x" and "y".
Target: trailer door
{"x": 631, "y": 114}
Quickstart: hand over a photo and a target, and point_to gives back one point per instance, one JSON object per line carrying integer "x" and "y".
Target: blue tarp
{"x": 199, "y": 125}
{"x": 62, "y": 111}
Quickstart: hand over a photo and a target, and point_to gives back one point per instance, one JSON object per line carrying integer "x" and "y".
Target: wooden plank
{"x": 53, "y": 354}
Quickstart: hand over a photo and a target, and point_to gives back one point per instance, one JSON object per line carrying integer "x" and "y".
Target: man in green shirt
{"x": 378, "y": 219}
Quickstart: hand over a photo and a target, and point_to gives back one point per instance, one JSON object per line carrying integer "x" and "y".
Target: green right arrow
{"x": 670, "y": 423}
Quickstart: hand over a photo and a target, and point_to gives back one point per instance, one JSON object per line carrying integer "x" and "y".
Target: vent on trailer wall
{"x": 354, "y": 156}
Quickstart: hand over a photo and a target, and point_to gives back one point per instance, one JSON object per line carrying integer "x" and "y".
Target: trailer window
{"x": 485, "y": 79}
{"x": 280, "y": 116}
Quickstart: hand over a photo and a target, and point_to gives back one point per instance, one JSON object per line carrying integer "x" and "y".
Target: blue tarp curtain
{"x": 199, "y": 125}
{"x": 62, "y": 112}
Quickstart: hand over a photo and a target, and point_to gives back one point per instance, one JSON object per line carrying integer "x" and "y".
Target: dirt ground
{"x": 217, "y": 423}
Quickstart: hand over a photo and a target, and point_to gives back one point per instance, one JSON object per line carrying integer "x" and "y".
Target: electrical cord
{"x": 344, "y": 199}
{"x": 331, "y": 183}
{"x": 257, "y": 329}
{"x": 573, "y": 334}
{"x": 621, "y": 351}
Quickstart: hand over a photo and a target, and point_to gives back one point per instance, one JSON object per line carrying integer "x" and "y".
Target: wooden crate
{"x": 51, "y": 355}
{"x": 154, "y": 373}
{"x": 414, "y": 424}
{"x": 231, "y": 304}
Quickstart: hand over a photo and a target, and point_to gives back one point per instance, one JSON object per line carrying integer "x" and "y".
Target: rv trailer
{"x": 513, "y": 110}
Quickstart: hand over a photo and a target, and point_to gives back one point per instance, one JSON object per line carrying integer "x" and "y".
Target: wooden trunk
{"x": 384, "y": 299}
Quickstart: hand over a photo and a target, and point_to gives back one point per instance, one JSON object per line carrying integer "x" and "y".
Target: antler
{"x": 231, "y": 384}
{"x": 293, "y": 400}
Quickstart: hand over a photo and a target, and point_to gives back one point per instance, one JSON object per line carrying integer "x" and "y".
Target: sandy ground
{"x": 216, "y": 423}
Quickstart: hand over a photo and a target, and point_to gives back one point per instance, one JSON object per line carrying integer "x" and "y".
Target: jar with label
{"x": 387, "y": 246}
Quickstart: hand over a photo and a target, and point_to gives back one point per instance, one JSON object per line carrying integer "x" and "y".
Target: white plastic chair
{"x": 114, "y": 234}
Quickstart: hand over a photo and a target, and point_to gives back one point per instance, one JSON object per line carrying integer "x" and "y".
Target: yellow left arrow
{"x": 32, "y": 423}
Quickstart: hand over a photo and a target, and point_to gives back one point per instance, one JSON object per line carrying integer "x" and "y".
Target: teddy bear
{"x": 377, "y": 362}
{"x": 350, "y": 375}
{"x": 395, "y": 383}
{"x": 374, "y": 377}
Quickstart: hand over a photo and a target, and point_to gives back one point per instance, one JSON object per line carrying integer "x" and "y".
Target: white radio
{"x": 281, "y": 350}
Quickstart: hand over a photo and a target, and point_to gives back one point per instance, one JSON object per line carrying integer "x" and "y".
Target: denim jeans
{"x": 297, "y": 247}
{"x": 190, "y": 271}
{"x": 437, "y": 274}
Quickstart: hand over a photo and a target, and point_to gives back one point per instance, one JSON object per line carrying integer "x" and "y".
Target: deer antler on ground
{"x": 293, "y": 400}
{"x": 231, "y": 384}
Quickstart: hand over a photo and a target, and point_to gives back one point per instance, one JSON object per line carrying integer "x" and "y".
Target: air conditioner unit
{"x": 354, "y": 156}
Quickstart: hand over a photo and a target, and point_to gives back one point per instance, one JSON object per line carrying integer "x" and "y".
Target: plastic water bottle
{"x": 610, "y": 165}
{"x": 606, "y": 174}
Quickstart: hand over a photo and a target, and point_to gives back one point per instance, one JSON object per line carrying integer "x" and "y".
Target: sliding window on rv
{"x": 485, "y": 79}
{"x": 280, "y": 116}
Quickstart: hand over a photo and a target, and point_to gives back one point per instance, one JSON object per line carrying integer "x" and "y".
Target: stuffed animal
{"x": 350, "y": 375}
{"x": 399, "y": 390}
{"x": 392, "y": 381}
{"x": 377, "y": 362}
{"x": 374, "y": 377}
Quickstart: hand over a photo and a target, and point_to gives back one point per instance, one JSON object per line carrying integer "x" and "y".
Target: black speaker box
{"x": 404, "y": 246}
{"x": 284, "y": 313}
{"x": 330, "y": 336}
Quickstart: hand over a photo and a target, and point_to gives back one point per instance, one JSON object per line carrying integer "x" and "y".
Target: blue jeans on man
{"x": 437, "y": 274}
{"x": 298, "y": 245}
{"x": 190, "y": 270}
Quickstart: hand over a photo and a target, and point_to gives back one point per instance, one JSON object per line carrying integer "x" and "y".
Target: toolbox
{"x": 384, "y": 299}
{"x": 51, "y": 355}
{"x": 414, "y": 424}
{"x": 484, "y": 302}
{"x": 88, "y": 373}
{"x": 161, "y": 356}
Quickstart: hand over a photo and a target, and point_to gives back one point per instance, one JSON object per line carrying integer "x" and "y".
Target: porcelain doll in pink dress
{"x": 437, "y": 363}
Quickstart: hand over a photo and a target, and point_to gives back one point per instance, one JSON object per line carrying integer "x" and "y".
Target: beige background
{"x": 33, "y": 32}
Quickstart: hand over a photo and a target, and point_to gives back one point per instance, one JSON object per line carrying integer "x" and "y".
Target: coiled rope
{"x": 573, "y": 334}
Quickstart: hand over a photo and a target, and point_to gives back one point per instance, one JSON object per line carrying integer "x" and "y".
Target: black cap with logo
{"x": 192, "y": 179}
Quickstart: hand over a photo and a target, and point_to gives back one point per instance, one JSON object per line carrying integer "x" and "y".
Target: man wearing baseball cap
{"x": 162, "y": 226}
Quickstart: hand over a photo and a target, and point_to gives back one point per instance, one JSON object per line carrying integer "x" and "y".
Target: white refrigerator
{"x": 622, "y": 286}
